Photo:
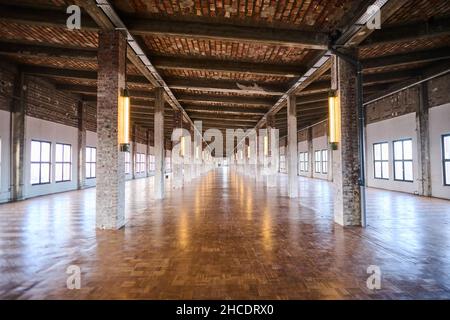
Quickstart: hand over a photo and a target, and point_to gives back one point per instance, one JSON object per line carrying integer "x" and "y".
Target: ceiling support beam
{"x": 215, "y": 65}
{"x": 408, "y": 32}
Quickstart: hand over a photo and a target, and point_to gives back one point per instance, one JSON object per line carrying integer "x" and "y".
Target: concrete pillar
{"x": 19, "y": 110}
{"x": 133, "y": 151}
{"x": 310, "y": 152}
{"x": 274, "y": 152}
{"x": 177, "y": 164}
{"x": 81, "y": 154}
{"x": 147, "y": 161}
{"x": 347, "y": 198}
{"x": 330, "y": 156}
{"x": 292, "y": 156}
{"x": 159, "y": 143}
{"x": 110, "y": 160}
{"x": 423, "y": 138}
{"x": 197, "y": 148}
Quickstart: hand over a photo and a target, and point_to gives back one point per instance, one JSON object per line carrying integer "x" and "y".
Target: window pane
{"x": 407, "y": 150}
{"x": 447, "y": 147}
{"x": 398, "y": 170}
{"x": 408, "y": 170}
{"x": 45, "y": 173}
{"x": 447, "y": 173}
{"x": 34, "y": 173}
{"x": 88, "y": 170}
{"x": 94, "y": 155}
{"x": 35, "y": 151}
{"x": 59, "y": 152}
{"x": 377, "y": 152}
{"x": 385, "y": 151}
{"x": 398, "y": 150}
{"x": 385, "y": 166}
{"x": 378, "y": 170}
{"x": 45, "y": 155}
{"x": 324, "y": 155}
{"x": 67, "y": 153}
{"x": 58, "y": 172}
{"x": 93, "y": 170}
{"x": 324, "y": 167}
{"x": 88, "y": 154}
{"x": 67, "y": 172}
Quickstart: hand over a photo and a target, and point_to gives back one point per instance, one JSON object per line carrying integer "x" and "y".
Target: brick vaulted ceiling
{"x": 226, "y": 61}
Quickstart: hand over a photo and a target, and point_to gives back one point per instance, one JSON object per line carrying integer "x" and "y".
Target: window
{"x": 381, "y": 160}
{"x": 303, "y": 162}
{"x": 403, "y": 165}
{"x": 324, "y": 161}
{"x": 317, "y": 162}
{"x": 91, "y": 159}
{"x": 152, "y": 162}
{"x": 446, "y": 158}
{"x": 127, "y": 162}
{"x": 63, "y": 162}
{"x": 40, "y": 162}
{"x": 140, "y": 163}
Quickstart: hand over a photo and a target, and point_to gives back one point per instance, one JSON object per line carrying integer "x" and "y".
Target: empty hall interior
{"x": 339, "y": 187}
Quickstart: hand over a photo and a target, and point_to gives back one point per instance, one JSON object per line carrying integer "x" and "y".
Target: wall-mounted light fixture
{"x": 334, "y": 123}
{"x": 124, "y": 121}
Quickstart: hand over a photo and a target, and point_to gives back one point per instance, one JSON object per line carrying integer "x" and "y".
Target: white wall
{"x": 402, "y": 127}
{"x": 91, "y": 141}
{"x": 5, "y": 156}
{"x": 319, "y": 144}
{"x": 37, "y": 129}
{"x": 439, "y": 124}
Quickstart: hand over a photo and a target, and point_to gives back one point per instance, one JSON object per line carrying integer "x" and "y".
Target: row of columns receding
{"x": 110, "y": 160}
{"x": 110, "y": 180}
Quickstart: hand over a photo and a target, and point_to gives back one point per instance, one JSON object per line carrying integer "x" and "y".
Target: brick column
{"x": 330, "y": 155}
{"x": 347, "y": 198}
{"x": 159, "y": 143}
{"x": 81, "y": 159}
{"x": 198, "y": 145}
{"x": 147, "y": 163}
{"x": 133, "y": 151}
{"x": 423, "y": 138}
{"x": 110, "y": 161}
{"x": 310, "y": 152}
{"x": 177, "y": 165}
{"x": 19, "y": 111}
{"x": 274, "y": 152}
{"x": 187, "y": 158}
{"x": 292, "y": 156}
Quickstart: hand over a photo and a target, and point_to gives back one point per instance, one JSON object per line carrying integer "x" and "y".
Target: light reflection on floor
{"x": 225, "y": 236}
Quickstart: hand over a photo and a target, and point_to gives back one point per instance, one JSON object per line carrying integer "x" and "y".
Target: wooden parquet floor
{"x": 225, "y": 237}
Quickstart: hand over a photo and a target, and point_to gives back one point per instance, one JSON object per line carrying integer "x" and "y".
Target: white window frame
{"x": 41, "y": 163}
{"x": 91, "y": 164}
{"x": 403, "y": 160}
{"x": 381, "y": 161}
{"x": 63, "y": 163}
